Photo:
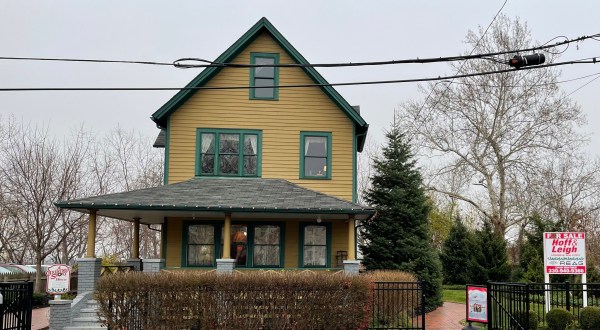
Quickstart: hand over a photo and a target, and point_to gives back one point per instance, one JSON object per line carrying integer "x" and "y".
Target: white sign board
{"x": 58, "y": 279}
{"x": 564, "y": 253}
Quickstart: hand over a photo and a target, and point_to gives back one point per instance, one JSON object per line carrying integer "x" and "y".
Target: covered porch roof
{"x": 208, "y": 197}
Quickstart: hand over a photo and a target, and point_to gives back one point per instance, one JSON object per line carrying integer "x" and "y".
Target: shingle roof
{"x": 223, "y": 194}
{"x": 161, "y": 139}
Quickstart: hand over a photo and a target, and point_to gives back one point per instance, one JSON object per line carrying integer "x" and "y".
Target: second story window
{"x": 228, "y": 153}
{"x": 315, "y": 155}
{"x": 264, "y": 77}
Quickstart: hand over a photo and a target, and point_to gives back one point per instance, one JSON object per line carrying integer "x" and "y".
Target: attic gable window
{"x": 228, "y": 152}
{"x": 266, "y": 78}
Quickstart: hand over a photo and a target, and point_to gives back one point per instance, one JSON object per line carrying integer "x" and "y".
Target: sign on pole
{"x": 477, "y": 308}
{"x": 564, "y": 253}
{"x": 58, "y": 279}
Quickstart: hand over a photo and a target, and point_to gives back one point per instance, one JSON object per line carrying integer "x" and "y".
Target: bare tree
{"x": 491, "y": 133}
{"x": 36, "y": 172}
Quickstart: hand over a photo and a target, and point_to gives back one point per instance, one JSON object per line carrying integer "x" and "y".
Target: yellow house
{"x": 260, "y": 166}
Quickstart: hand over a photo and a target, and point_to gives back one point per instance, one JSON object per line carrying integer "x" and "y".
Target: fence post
{"x": 489, "y": 305}
{"x": 423, "y": 303}
{"x": 527, "y": 307}
{"x": 568, "y": 295}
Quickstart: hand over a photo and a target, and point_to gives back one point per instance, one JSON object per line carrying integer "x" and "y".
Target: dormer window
{"x": 264, "y": 79}
{"x": 315, "y": 155}
{"x": 228, "y": 152}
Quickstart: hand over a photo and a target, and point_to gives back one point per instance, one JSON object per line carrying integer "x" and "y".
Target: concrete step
{"x": 91, "y": 327}
{"x": 83, "y": 320}
{"x": 88, "y": 312}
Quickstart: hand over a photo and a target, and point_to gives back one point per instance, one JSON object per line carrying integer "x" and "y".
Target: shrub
{"x": 589, "y": 318}
{"x": 559, "y": 319}
{"x": 249, "y": 300}
{"x": 522, "y": 316}
{"x": 40, "y": 299}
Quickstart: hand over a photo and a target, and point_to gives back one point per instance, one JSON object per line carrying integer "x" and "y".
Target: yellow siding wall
{"x": 298, "y": 109}
{"x": 339, "y": 241}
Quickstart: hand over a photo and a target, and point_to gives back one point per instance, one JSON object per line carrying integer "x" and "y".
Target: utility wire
{"x": 180, "y": 62}
{"x": 592, "y": 60}
{"x": 582, "y": 86}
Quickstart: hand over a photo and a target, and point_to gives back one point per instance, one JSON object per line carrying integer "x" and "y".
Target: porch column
{"x": 351, "y": 266}
{"x": 91, "y": 239}
{"x": 227, "y": 237}
{"x": 226, "y": 264}
{"x": 135, "y": 250}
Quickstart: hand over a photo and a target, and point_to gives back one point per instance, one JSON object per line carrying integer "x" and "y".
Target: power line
{"x": 582, "y": 86}
{"x": 524, "y": 86}
{"x": 397, "y": 81}
{"x": 178, "y": 64}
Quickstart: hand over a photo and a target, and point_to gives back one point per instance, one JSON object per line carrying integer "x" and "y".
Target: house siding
{"x": 281, "y": 121}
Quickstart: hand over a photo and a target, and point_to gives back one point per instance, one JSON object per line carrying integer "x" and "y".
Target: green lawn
{"x": 455, "y": 296}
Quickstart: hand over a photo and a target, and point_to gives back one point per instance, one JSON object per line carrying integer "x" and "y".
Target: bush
{"x": 589, "y": 318}
{"x": 559, "y": 319}
{"x": 40, "y": 299}
{"x": 522, "y": 317}
{"x": 249, "y": 300}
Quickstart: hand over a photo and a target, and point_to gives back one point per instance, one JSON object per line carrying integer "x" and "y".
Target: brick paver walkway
{"x": 447, "y": 317}
{"x": 39, "y": 318}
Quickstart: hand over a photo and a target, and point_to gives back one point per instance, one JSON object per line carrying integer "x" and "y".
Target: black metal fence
{"x": 398, "y": 305}
{"x": 518, "y": 305}
{"x": 15, "y": 309}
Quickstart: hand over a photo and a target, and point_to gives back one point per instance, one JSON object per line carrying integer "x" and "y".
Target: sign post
{"x": 58, "y": 280}
{"x": 564, "y": 253}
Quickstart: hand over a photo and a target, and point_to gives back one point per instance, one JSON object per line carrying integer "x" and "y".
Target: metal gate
{"x": 16, "y": 304}
{"x": 508, "y": 306}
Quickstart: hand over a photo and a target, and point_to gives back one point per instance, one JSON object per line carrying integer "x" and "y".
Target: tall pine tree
{"x": 459, "y": 256}
{"x": 398, "y": 237}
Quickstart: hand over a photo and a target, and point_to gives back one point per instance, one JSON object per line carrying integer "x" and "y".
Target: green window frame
{"x": 309, "y": 159}
{"x": 213, "y": 153}
{"x": 306, "y": 245}
{"x": 188, "y": 244}
{"x": 264, "y": 76}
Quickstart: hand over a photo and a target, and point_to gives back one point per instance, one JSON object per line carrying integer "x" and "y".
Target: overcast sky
{"x": 323, "y": 31}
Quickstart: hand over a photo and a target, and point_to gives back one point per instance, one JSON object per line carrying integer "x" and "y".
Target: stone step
{"x": 85, "y": 320}
{"x": 82, "y": 327}
{"x": 88, "y": 312}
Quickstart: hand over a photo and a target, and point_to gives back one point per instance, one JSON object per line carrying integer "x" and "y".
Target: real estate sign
{"x": 58, "y": 279}
{"x": 564, "y": 253}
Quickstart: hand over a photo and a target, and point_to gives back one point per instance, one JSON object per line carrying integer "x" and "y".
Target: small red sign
{"x": 477, "y": 304}
{"x": 58, "y": 279}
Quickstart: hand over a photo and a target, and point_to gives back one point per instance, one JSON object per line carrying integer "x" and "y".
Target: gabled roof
{"x": 241, "y": 195}
{"x": 263, "y": 25}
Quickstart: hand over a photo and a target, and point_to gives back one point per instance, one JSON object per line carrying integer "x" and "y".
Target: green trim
{"x": 241, "y": 133}
{"x": 250, "y": 244}
{"x": 303, "y": 136}
{"x": 163, "y": 239}
{"x": 275, "y": 58}
{"x": 161, "y": 115}
{"x": 166, "y": 169}
{"x": 217, "y": 239}
{"x": 327, "y": 226}
{"x": 354, "y": 166}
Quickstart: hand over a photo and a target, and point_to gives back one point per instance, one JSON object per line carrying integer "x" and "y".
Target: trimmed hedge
{"x": 250, "y": 300}
{"x": 559, "y": 319}
{"x": 589, "y": 318}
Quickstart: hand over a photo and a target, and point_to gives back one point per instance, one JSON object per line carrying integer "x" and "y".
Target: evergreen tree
{"x": 458, "y": 256}
{"x": 493, "y": 257}
{"x": 398, "y": 237}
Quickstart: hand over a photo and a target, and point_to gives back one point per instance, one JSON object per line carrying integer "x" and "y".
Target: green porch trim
{"x": 163, "y": 239}
{"x": 161, "y": 115}
{"x": 275, "y": 57}
{"x": 327, "y": 225}
{"x": 303, "y": 135}
{"x": 166, "y": 167}
{"x": 354, "y": 166}
{"x": 241, "y": 133}
{"x": 250, "y": 242}
{"x": 217, "y": 239}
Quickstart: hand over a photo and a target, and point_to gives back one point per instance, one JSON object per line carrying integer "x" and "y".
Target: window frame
{"x": 327, "y": 226}
{"x": 217, "y": 243}
{"x": 303, "y": 136}
{"x": 216, "y": 171}
{"x": 252, "y": 233}
{"x": 275, "y": 57}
